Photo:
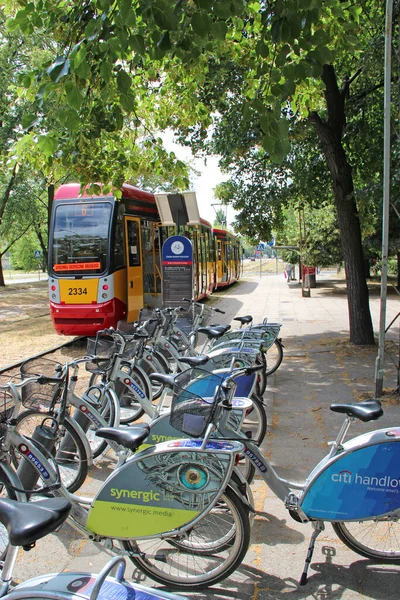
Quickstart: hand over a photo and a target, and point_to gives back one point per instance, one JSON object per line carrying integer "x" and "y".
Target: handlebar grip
{"x": 219, "y": 311}
{"x": 43, "y": 379}
{"x": 107, "y": 331}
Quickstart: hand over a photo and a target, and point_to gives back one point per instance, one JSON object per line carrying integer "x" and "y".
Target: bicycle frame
{"x": 357, "y": 480}
{"x": 150, "y": 485}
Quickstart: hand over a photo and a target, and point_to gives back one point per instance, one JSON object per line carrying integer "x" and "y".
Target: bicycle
{"x": 38, "y": 395}
{"x": 355, "y": 486}
{"x": 28, "y": 523}
{"x": 268, "y": 332}
{"x": 178, "y": 491}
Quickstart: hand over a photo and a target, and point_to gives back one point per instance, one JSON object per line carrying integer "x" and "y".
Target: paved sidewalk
{"x": 319, "y": 367}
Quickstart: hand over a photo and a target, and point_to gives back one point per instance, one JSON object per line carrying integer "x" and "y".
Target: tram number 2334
{"x": 77, "y": 291}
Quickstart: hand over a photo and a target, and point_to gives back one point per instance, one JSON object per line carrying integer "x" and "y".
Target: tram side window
{"x": 118, "y": 248}
{"x": 133, "y": 244}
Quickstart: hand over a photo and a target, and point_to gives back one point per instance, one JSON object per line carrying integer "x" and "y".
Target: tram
{"x": 228, "y": 257}
{"x": 105, "y": 257}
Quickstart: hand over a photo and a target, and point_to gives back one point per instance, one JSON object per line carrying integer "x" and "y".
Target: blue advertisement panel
{"x": 177, "y": 270}
{"x": 359, "y": 485}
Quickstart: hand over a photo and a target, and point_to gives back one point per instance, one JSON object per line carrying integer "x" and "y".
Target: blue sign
{"x": 177, "y": 270}
{"x": 272, "y": 242}
{"x": 177, "y": 250}
{"x": 37, "y": 253}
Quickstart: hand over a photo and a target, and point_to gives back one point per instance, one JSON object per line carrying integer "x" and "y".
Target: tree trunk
{"x": 2, "y": 282}
{"x": 330, "y": 135}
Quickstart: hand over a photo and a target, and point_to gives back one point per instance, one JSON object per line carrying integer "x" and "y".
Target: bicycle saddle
{"x": 195, "y": 361}
{"x": 128, "y": 438}
{"x": 27, "y": 522}
{"x": 369, "y": 410}
{"x": 244, "y": 320}
{"x": 211, "y": 332}
{"x": 223, "y": 328}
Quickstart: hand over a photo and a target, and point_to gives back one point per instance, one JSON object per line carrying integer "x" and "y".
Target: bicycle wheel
{"x": 155, "y": 362}
{"x": 254, "y": 427}
{"x": 72, "y": 460}
{"x": 105, "y": 404}
{"x": 130, "y": 408}
{"x": 255, "y": 421}
{"x": 179, "y": 562}
{"x": 378, "y": 540}
{"x": 273, "y": 357}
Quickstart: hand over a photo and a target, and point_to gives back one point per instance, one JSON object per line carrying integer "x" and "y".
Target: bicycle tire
{"x": 377, "y": 540}
{"x": 254, "y": 427}
{"x": 185, "y": 569}
{"x": 130, "y": 408}
{"x": 107, "y": 409}
{"x": 74, "y": 467}
{"x": 157, "y": 364}
{"x": 273, "y": 357}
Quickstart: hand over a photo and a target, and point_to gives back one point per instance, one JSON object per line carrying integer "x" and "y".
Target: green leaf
{"x": 222, "y": 9}
{"x": 137, "y": 44}
{"x": 200, "y": 24}
{"x": 219, "y": 30}
{"x": 28, "y": 120}
{"x": 80, "y": 56}
{"x": 105, "y": 70}
{"x": 322, "y": 55}
{"x": 262, "y": 49}
{"x": 124, "y": 81}
{"x": 164, "y": 16}
{"x": 268, "y": 143}
{"x": 276, "y": 31}
{"x": 82, "y": 70}
{"x": 128, "y": 102}
{"x": 74, "y": 96}
{"x": 320, "y": 38}
{"x": 47, "y": 144}
{"x": 165, "y": 42}
{"x": 69, "y": 119}
{"x": 59, "y": 68}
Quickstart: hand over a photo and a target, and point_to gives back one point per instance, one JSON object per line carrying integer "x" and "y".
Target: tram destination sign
{"x": 177, "y": 270}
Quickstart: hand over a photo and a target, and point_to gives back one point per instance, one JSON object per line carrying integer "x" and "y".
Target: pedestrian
{"x": 288, "y": 271}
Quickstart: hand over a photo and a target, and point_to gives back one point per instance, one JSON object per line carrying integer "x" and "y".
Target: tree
{"x": 190, "y": 65}
{"x": 220, "y": 219}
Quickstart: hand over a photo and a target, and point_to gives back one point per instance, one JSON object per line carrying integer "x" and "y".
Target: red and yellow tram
{"x": 105, "y": 257}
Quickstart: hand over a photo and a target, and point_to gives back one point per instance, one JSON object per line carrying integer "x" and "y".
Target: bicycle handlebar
{"x": 204, "y": 307}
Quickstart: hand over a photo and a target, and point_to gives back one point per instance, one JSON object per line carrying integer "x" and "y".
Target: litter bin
{"x": 309, "y": 276}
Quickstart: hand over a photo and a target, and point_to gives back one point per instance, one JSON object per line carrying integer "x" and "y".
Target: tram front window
{"x": 81, "y": 238}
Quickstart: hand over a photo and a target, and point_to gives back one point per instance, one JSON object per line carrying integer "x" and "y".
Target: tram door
{"x": 134, "y": 268}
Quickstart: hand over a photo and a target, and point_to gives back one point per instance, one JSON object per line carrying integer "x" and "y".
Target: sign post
{"x": 177, "y": 270}
{"x": 38, "y": 256}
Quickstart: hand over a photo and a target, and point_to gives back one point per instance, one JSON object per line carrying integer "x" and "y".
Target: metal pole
{"x": 379, "y": 363}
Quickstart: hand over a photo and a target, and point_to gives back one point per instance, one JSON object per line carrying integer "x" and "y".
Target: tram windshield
{"x": 81, "y": 238}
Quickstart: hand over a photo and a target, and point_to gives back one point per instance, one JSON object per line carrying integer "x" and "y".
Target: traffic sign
{"x": 37, "y": 253}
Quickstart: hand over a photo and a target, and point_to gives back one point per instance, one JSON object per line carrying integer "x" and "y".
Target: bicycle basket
{"x": 149, "y": 320}
{"x": 195, "y": 398}
{"x": 41, "y": 396}
{"x": 104, "y": 350}
{"x": 6, "y": 404}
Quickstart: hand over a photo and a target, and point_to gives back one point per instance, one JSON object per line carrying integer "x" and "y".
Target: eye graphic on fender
{"x": 190, "y": 478}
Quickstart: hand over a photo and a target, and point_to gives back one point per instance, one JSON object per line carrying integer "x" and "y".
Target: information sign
{"x": 177, "y": 270}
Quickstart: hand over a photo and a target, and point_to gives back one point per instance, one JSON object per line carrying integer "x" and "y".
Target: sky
{"x": 210, "y": 176}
